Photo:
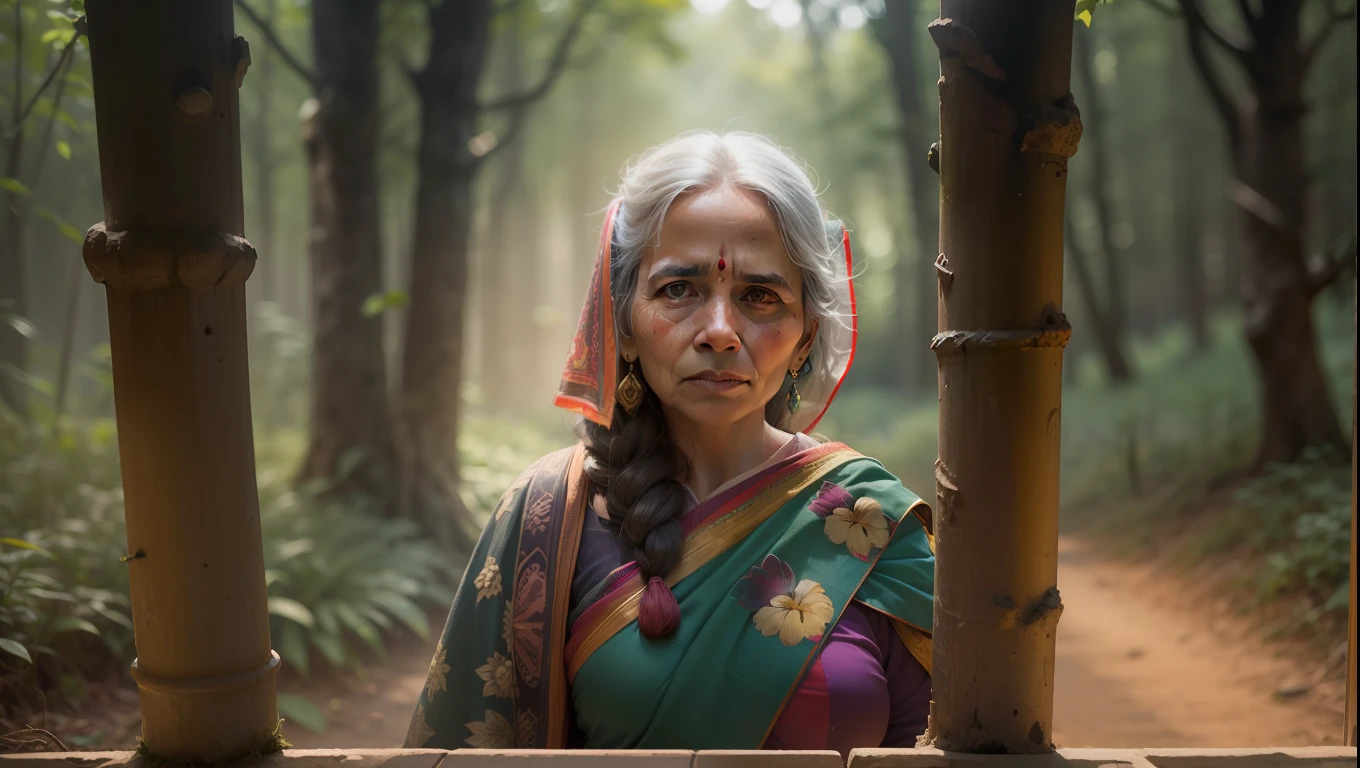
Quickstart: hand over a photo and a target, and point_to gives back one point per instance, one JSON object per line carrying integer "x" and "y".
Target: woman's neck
{"x": 718, "y": 454}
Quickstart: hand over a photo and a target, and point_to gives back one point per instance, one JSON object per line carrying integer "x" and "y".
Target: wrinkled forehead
{"x": 725, "y": 221}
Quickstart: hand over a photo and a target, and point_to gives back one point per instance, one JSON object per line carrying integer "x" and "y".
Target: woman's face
{"x": 718, "y": 316}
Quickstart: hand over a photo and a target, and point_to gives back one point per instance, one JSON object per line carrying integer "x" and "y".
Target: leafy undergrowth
{"x": 342, "y": 582}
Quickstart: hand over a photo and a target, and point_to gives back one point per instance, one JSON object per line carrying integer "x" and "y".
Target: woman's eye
{"x": 761, "y": 296}
{"x": 676, "y": 290}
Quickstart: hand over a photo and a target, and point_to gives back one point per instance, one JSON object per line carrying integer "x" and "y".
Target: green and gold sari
{"x": 769, "y": 565}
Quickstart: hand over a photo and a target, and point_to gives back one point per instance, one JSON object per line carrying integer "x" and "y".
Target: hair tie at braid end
{"x": 658, "y": 613}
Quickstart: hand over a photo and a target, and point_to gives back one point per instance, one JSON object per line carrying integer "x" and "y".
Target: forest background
{"x": 425, "y": 182}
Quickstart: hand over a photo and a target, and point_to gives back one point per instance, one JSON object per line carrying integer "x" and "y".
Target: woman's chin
{"x": 717, "y": 411}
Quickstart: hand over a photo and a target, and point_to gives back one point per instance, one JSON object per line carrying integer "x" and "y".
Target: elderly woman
{"x": 698, "y": 572}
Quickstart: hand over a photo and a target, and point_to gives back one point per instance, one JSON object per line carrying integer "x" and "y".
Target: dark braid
{"x": 637, "y": 465}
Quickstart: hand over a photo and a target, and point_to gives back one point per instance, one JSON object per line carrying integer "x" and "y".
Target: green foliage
{"x": 1299, "y": 515}
{"x": 379, "y": 303}
{"x": 1085, "y": 8}
{"x": 299, "y": 710}
{"x": 340, "y": 577}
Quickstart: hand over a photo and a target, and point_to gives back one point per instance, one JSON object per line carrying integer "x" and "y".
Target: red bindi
{"x": 722, "y": 264}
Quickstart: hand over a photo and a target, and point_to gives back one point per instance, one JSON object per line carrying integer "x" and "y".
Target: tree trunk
{"x": 504, "y": 310}
{"x": 13, "y": 296}
{"x": 171, "y": 257}
{"x": 263, "y": 64}
{"x": 432, "y": 368}
{"x": 1265, "y": 132}
{"x": 1188, "y": 223}
{"x": 915, "y": 278}
{"x": 1111, "y": 350}
{"x": 1279, "y": 292}
{"x": 1278, "y": 318}
{"x": 1350, "y": 737}
{"x": 1189, "y": 212}
{"x": 1007, "y": 128}
{"x": 351, "y": 438}
{"x": 1099, "y": 179}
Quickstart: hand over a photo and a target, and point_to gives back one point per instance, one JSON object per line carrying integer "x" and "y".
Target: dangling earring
{"x": 794, "y": 399}
{"x": 629, "y": 393}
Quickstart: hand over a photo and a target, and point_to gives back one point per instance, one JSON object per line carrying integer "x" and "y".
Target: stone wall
{"x": 1298, "y": 757}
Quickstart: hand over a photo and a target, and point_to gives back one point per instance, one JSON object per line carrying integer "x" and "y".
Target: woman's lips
{"x": 718, "y": 382}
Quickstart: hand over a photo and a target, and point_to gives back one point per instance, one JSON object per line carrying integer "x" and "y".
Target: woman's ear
{"x": 805, "y": 347}
{"x": 627, "y": 347}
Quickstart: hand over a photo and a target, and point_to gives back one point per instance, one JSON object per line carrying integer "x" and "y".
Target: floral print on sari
{"x": 859, "y": 524}
{"x": 492, "y": 733}
{"x": 796, "y": 611}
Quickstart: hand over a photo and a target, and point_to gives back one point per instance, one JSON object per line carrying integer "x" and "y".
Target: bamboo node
{"x": 961, "y": 341}
{"x": 1054, "y": 130}
{"x": 150, "y": 682}
{"x": 947, "y": 490}
{"x": 943, "y": 272}
{"x": 240, "y": 49}
{"x": 954, "y": 39}
{"x": 152, "y": 260}
{"x": 194, "y": 101}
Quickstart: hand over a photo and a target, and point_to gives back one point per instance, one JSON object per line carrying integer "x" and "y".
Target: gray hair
{"x": 702, "y": 160}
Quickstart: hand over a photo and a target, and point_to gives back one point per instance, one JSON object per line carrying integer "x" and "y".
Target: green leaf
{"x": 14, "y": 648}
{"x": 64, "y": 149}
{"x": 14, "y": 185}
{"x": 75, "y": 624}
{"x": 301, "y": 711}
{"x": 379, "y": 303}
{"x": 71, "y": 233}
{"x": 292, "y": 610}
{"x": 22, "y": 325}
{"x": 331, "y": 646}
{"x": 20, "y": 543}
{"x": 49, "y": 594}
{"x": 359, "y": 625}
{"x": 292, "y": 647}
{"x": 403, "y": 610}
{"x": 62, "y": 36}
{"x": 1085, "y": 8}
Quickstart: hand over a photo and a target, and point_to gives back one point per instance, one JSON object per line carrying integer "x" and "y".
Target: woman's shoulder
{"x": 547, "y": 468}
{"x": 865, "y": 476}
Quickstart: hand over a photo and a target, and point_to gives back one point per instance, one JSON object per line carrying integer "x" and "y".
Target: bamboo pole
{"x": 1349, "y": 735}
{"x": 1007, "y": 129}
{"x": 171, "y": 257}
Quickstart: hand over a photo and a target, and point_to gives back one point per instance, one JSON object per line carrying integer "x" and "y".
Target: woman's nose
{"x": 718, "y": 332}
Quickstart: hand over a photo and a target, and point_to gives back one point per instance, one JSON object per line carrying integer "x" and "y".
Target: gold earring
{"x": 629, "y": 393}
{"x": 794, "y": 399}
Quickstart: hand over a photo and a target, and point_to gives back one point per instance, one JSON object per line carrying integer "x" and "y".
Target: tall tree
{"x": 1099, "y": 190}
{"x": 451, "y": 152}
{"x": 1264, "y": 128}
{"x": 504, "y": 238}
{"x": 264, "y": 160}
{"x": 351, "y": 439}
{"x": 1007, "y": 129}
{"x": 1188, "y": 214}
{"x": 897, "y": 33}
{"x": 17, "y": 181}
{"x": 1107, "y": 338}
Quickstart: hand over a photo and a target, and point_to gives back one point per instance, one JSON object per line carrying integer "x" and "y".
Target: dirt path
{"x": 1148, "y": 660}
{"x": 1144, "y": 660}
